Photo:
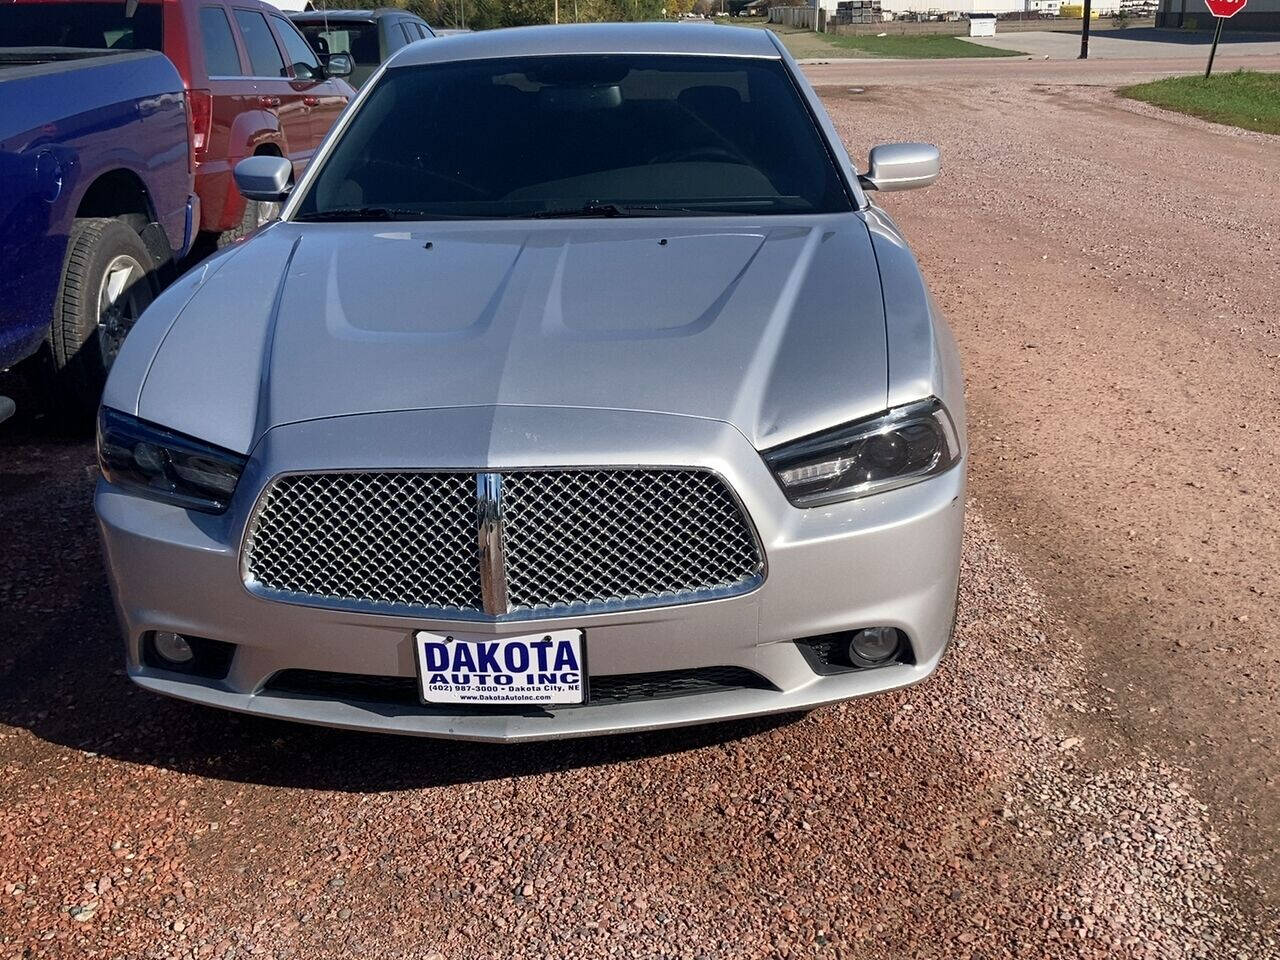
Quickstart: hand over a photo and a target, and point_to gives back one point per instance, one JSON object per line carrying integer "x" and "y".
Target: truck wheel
{"x": 256, "y": 213}
{"x": 107, "y": 281}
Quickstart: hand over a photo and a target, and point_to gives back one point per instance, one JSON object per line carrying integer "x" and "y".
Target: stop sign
{"x": 1225, "y": 8}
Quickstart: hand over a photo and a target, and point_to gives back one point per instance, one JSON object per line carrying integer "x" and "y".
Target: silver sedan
{"x": 578, "y": 389}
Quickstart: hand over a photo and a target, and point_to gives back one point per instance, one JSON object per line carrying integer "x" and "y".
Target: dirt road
{"x": 1113, "y": 276}
{"x": 1091, "y": 774}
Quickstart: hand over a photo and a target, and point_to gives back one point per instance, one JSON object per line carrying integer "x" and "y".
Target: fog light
{"x": 872, "y": 646}
{"x": 173, "y": 647}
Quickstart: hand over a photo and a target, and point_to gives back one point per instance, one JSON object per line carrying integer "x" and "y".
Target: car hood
{"x": 776, "y": 327}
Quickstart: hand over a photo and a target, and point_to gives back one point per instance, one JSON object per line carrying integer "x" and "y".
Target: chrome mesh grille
{"x": 574, "y": 539}
{"x": 389, "y": 539}
{"x": 609, "y": 536}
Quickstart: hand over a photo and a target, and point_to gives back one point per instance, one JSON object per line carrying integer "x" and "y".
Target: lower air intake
{"x": 617, "y": 688}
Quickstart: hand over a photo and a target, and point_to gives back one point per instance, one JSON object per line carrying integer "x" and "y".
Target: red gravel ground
{"x": 1112, "y": 273}
{"x": 1091, "y": 773}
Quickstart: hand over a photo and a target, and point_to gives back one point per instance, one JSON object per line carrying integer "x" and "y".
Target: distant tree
{"x": 488, "y": 14}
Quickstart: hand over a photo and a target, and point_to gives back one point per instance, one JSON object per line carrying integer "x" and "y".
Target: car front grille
{"x": 567, "y": 541}
{"x": 386, "y": 539}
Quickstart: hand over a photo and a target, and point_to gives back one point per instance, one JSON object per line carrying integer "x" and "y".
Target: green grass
{"x": 806, "y": 44}
{"x": 916, "y": 47}
{"x": 1242, "y": 99}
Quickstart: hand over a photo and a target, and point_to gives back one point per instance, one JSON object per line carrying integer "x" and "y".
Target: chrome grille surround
{"x": 522, "y": 544}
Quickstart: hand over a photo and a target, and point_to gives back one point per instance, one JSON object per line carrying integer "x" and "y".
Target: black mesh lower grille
{"x": 625, "y": 687}
{"x": 345, "y": 686}
{"x": 618, "y": 688}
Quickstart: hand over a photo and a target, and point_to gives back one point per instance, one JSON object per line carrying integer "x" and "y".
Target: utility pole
{"x": 557, "y": 13}
{"x": 1084, "y": 33}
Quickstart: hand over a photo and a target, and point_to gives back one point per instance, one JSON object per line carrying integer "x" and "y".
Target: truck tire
{"x": 108, "y": 279}
{"x": 256, "y": 213}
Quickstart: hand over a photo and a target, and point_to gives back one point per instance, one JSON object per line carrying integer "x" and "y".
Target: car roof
{"x": 366, "y": 15}
{"x": 594, "y": 38}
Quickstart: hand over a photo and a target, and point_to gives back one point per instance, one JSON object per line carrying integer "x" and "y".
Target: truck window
{"x": 264, "y": 55}
{"x": 358, "y": 39}
{"x": 220, "y": 56}
{"x": 97, "y": 26}
{"x": 298, "y": 50}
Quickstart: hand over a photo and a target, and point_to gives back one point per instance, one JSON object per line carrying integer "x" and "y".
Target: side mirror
{"x": 265, "y": 178}
{"x": 339, "y": 65}
{"x": 901, "y": 166}
{"x": 306, "y": 71}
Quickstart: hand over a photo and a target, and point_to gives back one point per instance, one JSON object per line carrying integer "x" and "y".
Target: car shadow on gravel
{"x": 276, "y": 753}
{"x": 72, "y": 699}
{"x": 61, "y": 675}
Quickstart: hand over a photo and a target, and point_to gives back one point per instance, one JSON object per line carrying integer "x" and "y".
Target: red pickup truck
{"x": 253, "y": 83}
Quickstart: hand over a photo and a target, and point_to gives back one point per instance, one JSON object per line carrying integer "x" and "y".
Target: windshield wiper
{"x": 597, "y": 210}
{"x": 586, "y": 211}
{"x": 362, "y": 213}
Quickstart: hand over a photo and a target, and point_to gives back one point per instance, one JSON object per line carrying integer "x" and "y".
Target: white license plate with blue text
{"x": 538, "y": 668}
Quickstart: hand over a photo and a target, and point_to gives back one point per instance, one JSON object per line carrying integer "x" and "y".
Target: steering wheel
{"x": 694, "y": 154}
{"x": 411, "y": 170}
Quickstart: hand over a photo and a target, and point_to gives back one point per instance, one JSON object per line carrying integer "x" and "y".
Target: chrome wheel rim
{"x": 121, "y": 300}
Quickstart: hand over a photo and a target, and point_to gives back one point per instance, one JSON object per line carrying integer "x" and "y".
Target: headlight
{"x": 890, "y": 450}
{"x": 164, "y": 465}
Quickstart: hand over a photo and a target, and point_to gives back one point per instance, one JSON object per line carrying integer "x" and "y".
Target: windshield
{"x": 94, "y": 26}
{"x": 579, "y": 135}
{"x": 357, "y": 39}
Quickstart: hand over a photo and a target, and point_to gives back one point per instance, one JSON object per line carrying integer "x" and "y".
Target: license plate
{"x": 539, "y": 668}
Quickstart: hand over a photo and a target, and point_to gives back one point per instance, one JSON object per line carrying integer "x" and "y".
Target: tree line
{"x": 488, "y": 14}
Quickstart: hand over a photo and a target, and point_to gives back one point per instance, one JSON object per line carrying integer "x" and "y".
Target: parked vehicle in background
{"x": 97, "y": 202}
{"x": 253, "y": 83}
{"x": 369, "y": 36}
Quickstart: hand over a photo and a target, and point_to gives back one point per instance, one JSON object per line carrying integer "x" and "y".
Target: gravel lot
{"x": 1091, "y": 774}
{"x": 1113, "y": 275}
{"x": 1135, "y": 42}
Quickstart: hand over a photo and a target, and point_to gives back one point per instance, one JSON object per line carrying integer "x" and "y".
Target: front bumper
{"x": 889, "y": 560}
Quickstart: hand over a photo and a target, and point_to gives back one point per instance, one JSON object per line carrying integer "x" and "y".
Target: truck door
{"x": 276, "y": 91}
{"x": 324, "y": 96}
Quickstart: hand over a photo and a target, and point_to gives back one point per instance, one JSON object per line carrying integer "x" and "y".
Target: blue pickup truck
{"x": 96, "y": 206}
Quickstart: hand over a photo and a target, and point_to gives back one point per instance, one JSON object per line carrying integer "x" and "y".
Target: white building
{"x": 1103, "y": 8}
{"x": 964, "y": 7}
{"x": 1179, "y": 14}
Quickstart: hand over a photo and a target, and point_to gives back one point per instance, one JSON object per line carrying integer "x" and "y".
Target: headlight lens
{"x": 902, "y": 446}
{"x": 164, "y": 465}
